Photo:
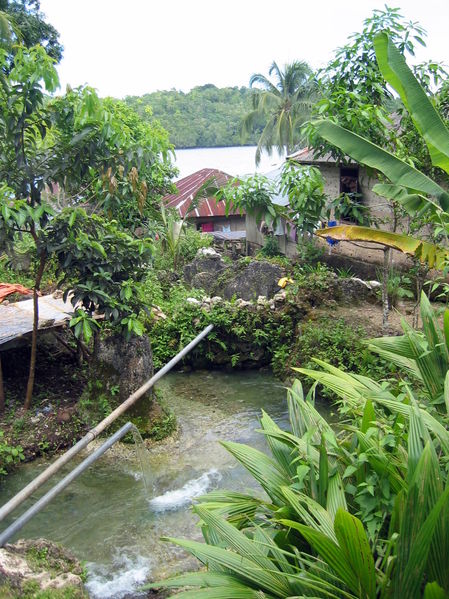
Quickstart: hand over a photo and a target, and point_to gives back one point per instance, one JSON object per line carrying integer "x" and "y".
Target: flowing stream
{"x": 106, "y": 517}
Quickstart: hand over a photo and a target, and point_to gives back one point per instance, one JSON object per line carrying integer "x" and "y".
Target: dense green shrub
{"x": 9, "y": 455}
{"x": 240, "y": 336}
{"x": 190, "y": 242}
{"x": 332, "y": 341}
{"x": 270, "y": 247}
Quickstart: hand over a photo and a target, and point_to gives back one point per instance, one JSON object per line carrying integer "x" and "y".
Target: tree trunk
{"x": 32, "y": 370}
{"x": 385, "y": 303}
{"x": 2, "y": 391}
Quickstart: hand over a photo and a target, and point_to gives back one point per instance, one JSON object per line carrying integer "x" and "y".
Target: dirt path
{"x": 369, "y": 316}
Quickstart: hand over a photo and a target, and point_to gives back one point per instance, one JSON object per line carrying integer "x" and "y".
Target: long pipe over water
{"x": 15, "y": 501}
{"x": 45, "y": 499}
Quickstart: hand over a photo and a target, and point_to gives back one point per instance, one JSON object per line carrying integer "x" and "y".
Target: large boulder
{"x": 354, "y": 289}
{"x": 117, "y": 369}
{"x": 32, "y": 567}
{"x": 124, "y": 365}
{"x": 256, "y": 279}
{"x": 203, "y": 271}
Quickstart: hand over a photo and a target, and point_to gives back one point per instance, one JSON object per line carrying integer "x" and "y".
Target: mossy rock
{"x": 40, "y": 569}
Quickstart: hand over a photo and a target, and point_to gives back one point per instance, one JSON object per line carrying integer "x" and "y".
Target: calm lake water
{"x": 235, "y": 161}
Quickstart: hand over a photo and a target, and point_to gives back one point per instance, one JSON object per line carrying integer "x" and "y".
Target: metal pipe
{"x": 45, "y": 499}
{"x": 92, "y": 434}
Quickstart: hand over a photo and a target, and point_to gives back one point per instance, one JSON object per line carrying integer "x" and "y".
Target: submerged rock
{"x": 32, "y": 566}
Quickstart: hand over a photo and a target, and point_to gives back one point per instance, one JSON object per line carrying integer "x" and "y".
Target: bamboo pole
{"x": 15, "y": 501}
{"x": 43, "y": 501}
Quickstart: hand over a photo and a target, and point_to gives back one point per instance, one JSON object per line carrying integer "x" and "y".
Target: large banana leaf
{"x": 413, "y": 202}
{"x": 433, "y": 255}
{"x": 427, "y": 120}
{"x": 395, "y": 169}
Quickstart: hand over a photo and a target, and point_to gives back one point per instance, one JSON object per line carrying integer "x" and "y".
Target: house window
{"x": 350, "y": 205}
{"x": 349, "y": 180}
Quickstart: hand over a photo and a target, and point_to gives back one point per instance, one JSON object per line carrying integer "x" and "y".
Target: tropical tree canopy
{"x": 22, "y": 20}
{"x": 284, "y": 103}
{"x": 355, "y": 94}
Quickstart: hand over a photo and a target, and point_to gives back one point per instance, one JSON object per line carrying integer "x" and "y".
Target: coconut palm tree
{"x": 282, "y": 104}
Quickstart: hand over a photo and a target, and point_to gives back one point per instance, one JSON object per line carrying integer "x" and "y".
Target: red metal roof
{"x": 189, "y": 186}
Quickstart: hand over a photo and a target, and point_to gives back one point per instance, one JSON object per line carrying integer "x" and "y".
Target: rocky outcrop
{"x": 204, "y": 270}
{"x": 117, "y": 369}
{"x": 123, "y": 364}
{"x": 246, "y": 281}
{"x": 356, "y": 290}
{"x": 39, "y": 565}
{"x": 258, "y": 278}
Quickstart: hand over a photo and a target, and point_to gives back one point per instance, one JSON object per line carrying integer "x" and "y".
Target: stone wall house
{"x": 338, "y": 179}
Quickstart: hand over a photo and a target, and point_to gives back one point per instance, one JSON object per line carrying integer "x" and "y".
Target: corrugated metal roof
{"x": 306, "y": 156}
{"x": 16, "y": 319}
{"x": 189, "y": 186}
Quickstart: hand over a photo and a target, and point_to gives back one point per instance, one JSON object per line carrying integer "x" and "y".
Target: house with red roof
{"x": 208, "y": 215}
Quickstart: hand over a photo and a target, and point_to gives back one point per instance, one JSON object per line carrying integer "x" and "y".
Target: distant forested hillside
{"x": 207, "y": 116}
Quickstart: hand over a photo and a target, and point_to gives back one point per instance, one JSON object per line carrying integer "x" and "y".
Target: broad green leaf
{"x": 265, "y": 470}
{"x": 239, "y": 542}
{"x": 244, "y": 567}
{"x": 282, "y": 452}
{"x": 427, "y": 120}
{"x": 331, "y": 553}
{"x": 446, "y": 392}
{"x": 396, "y": 170}
{"x": 87, "y": 330}
{"x": 413, "y": 570}
{"x": 369, "y": 416}
{"x": 434, "y": 591}
{"x": 310, "y": 512}
{"x": 354, "y": 543}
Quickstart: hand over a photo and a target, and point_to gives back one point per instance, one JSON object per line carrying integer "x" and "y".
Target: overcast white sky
{"x": 137, "y": 46}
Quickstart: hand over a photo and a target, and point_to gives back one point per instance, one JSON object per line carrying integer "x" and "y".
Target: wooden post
{"x": 385, "y": 304}
{"x": 2, "y": 391}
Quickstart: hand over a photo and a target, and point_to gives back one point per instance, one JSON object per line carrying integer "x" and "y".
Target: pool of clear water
{"x": 108, "y": 518}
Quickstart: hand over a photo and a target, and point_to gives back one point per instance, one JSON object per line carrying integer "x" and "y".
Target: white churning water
{"x": 173, "y": 500}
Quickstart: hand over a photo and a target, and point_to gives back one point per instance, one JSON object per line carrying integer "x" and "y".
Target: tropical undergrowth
{"x": 241, "y": 337}
{"x": 256, "y": 335}
{"x": 331, "y": 340}
{"x": 358, "y": 510}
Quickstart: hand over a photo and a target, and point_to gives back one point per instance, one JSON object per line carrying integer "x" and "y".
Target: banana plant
{"x": 417, "y": 192}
